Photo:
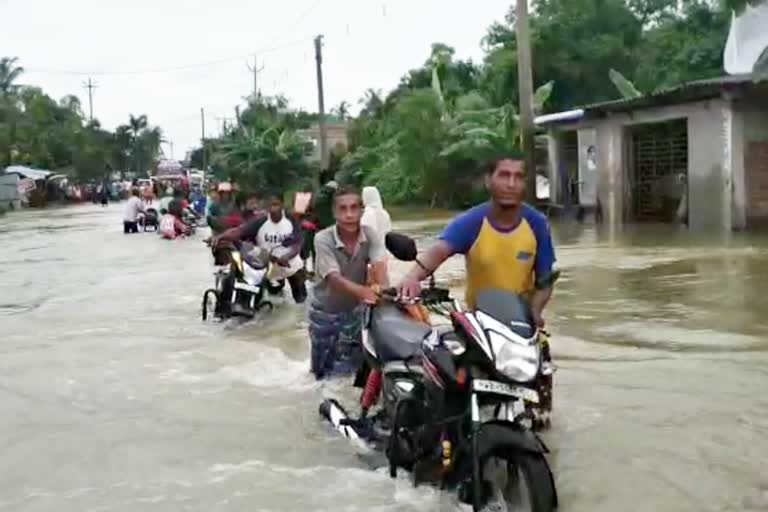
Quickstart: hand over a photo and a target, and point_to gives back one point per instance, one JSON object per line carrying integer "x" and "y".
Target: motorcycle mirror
{"x": 401, "y": 246}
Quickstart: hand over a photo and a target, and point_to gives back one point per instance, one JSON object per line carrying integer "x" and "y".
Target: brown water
{"x": 115, "y": 397}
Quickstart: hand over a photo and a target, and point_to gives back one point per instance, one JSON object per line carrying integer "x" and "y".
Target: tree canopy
{"x": 38, "y": 131}
{"x": 424, "y": 140}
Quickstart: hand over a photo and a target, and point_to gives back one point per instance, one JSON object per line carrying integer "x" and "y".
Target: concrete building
{"x": 335, "y": 136}
{"x": 699, "y": 150}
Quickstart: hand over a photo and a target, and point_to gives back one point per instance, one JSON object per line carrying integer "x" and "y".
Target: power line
{"x": 171, "y": 69}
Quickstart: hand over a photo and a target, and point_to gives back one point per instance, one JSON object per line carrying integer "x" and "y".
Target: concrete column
{"x": 554, "y": 150}
{"x": 738, "y": 188}
{"x": 610, "y": 157}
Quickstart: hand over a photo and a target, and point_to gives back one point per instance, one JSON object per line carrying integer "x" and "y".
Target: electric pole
{"x": 525, "y": 85}
{"x": 90, "y": 86}
{"x": 205, "y": 151}
{"x": 256, "y": 70}
{"x": 321, "y": 105}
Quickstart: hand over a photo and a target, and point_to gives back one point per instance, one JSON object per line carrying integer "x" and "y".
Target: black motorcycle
{"x": 457, "y": 400}
{"x": 240, "y": 283}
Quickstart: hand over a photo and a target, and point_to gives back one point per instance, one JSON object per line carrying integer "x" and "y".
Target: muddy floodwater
{"x": 114, "y": 396}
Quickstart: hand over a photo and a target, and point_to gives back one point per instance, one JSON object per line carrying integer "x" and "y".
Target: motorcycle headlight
{"x": 514, "y": 360}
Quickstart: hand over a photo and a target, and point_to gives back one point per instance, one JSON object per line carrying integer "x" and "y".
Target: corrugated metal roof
{"x": 686, "y": 92}
{"x": 28, "y": 172}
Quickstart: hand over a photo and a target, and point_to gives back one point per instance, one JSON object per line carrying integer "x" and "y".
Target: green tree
{"x": 9, "y": 73}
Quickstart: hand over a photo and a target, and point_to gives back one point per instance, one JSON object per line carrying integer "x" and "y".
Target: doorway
{"x": 658, "y": 171}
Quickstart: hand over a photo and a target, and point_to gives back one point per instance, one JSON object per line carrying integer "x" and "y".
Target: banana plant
{"x": 626, "y": 88}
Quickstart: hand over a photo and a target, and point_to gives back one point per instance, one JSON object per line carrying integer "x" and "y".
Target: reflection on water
{"x": 116, "y": 397}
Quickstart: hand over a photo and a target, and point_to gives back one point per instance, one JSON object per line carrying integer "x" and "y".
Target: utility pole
{"x": 525, "y": 85}
{"x": 205, "y": 151}
{"x": 255, "y": 70}
{"x": 90, "y": 86}
{"x": 223, "y": 124}
{"x": 321, "y": 106}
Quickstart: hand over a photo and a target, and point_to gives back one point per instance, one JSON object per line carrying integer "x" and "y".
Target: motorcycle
{"x": 149, "y": 220}
{"x": 240, "y": 283}
{"x": 457, "y": 399}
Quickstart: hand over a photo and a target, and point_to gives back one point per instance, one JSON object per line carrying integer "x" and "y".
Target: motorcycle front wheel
{"x": 513, "y": 482}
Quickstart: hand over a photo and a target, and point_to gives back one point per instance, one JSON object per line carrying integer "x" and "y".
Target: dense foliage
{"x": 37, "y": 131}
{"x": 265, "y": 150}
{"x": 423, "y": 141}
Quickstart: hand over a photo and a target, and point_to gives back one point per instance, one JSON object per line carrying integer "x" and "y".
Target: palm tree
{"x": 137, "y": 124}
{"x": 9, "y": 72}
{"x": 341, "y": 110}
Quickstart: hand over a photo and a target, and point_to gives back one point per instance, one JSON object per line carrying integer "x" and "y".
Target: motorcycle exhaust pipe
{"x": 337, "y": 416}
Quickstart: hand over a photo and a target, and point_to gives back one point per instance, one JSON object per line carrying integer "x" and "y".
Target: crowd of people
{"x": 286, "y": 234}
{"x": 174, "y": 216}
{"x": 340, "y": 232}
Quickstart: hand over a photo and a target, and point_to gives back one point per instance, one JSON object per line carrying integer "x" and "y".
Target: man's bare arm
{"x": 430, "y": 261}
{"x": 539, "y": 301}
{"x": 231, "y": 235}
{"x": 379, "y": 274}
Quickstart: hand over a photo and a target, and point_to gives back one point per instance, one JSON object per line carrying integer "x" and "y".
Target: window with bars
{"x": 659, "y": 169}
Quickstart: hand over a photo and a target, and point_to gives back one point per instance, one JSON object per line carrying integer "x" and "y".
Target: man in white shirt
{"x": 131, "y": 214}
{"x": 281, "y": 236}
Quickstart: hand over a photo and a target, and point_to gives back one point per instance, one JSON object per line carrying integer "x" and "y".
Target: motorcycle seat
{"x": 396, "y": 336}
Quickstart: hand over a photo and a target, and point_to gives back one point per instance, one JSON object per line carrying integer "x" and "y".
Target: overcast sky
{"x": 168, "y": 58}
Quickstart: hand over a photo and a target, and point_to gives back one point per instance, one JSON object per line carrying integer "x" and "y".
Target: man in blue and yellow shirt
{"x": 507, "y": 243}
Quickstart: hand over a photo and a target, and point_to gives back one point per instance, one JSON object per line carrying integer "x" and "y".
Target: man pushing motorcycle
{"x": 507, "y": 243}
{"x": 508, "y": 246}
{"x": 279, "y": 235}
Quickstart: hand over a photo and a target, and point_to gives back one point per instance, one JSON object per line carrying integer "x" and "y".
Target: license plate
{"x": 501, "y": 388}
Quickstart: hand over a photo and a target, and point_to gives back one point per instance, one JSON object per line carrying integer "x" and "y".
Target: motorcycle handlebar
{"x": 428, "y": 296}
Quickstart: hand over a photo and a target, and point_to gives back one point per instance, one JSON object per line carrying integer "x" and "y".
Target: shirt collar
{"x": 361, "y": 238}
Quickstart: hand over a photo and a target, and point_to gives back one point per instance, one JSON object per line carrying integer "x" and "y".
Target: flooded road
{"x": 114, "y": 396}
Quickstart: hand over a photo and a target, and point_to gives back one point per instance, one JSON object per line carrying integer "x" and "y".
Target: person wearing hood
{"x": 374, "y": 215}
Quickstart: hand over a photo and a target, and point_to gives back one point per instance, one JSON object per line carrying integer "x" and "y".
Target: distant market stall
{"x": 24, "y": 186}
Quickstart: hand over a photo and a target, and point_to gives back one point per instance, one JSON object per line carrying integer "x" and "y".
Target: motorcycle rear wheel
{"x": 517, "y": 482}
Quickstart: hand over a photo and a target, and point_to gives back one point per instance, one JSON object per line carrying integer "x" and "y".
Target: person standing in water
{"x": 133, "y": 208}
{"x": 349, "y": 256}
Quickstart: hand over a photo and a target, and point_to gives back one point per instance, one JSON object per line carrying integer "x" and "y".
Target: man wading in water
{"x": 507, "y": 246}
{"x": 344, "y": 252}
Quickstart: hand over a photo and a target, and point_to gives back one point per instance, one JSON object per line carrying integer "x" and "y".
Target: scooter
{"x": 457, "y": 399}
{"x": 149, "y": 220}
{"x": 240, "y": 283}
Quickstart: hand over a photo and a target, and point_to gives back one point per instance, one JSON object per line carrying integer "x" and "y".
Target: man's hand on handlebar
{"x": 281, "y": 261}
{"x": 409, "y": 289}
{"x": 368, "y": 296}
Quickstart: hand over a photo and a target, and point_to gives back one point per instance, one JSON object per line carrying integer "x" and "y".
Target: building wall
{"x": 754, "y": 140}
{"x": 709, "y": 176}
{"x": 335, "y": 136}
